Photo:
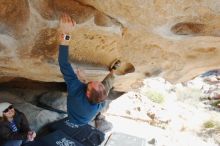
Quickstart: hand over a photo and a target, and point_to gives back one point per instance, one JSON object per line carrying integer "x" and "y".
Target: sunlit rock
{"x": 175, "y": 40}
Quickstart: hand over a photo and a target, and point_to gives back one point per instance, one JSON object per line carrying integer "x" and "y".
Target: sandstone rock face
{"x": 174, "y": 39}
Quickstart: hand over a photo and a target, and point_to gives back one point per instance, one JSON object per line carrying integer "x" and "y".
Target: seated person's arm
{"x": 24, "y": 124}
{"x": 6, "y": 134}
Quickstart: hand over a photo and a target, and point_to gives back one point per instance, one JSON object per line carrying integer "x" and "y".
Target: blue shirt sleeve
{"x": 66, "y": 69}
{"x": 103, "y": 104}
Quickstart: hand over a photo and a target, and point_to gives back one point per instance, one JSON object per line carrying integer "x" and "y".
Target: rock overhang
{"x": 175, "y": 40}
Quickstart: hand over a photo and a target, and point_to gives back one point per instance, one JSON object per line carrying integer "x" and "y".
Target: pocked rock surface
{"x": 174, "y": 39}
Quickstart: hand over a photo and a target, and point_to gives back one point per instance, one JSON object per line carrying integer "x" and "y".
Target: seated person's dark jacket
{"x": 22, "y": 125}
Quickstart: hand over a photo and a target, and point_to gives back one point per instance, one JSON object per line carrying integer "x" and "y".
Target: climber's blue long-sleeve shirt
{"x": 80, "y": 110}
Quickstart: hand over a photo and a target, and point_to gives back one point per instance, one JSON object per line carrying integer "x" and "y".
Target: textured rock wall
{"x": 174, "y": 39}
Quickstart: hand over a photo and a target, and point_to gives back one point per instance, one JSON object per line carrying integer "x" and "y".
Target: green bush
{"x": 155, "y": 96}
{"x": 209, "y": 124}
{"x": 216, "y": 103}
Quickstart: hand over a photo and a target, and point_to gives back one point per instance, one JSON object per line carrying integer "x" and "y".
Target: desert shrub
{"x": 209, "y": 124}
{"x": 155, "y": 96}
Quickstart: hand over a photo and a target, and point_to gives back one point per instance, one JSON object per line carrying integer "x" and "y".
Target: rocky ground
{"x": 162, "y": 114}
{"x": 169, "y": 115}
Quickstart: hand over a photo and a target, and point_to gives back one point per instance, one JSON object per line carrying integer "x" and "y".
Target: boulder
{"x": 174, "y": 40}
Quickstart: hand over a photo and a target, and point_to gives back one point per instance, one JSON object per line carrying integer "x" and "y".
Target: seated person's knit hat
{"x": 3, "y": 106}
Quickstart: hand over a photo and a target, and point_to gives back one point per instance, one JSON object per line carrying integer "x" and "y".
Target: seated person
{"x": 14, "y": 127}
